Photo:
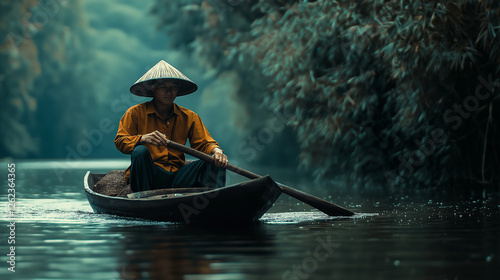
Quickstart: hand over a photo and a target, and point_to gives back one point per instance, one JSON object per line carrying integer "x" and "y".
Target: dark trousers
{"x": 145, "y": 175}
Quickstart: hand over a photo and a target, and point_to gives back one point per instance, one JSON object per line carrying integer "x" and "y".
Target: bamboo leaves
{"x": 369, "y": 78}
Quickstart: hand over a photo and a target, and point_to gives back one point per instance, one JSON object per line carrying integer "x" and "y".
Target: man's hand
{"x": 220, "y": 158}
{"x": 154, "y": 138}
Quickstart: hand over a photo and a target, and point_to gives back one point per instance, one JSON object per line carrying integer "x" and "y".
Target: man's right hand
{"x": 154, "y": 138}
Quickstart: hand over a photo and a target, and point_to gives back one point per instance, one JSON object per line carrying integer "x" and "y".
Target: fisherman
{"x": 145, "y": 128}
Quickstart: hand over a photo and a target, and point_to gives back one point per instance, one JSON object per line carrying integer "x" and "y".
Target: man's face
{"x": 165, "y": 92}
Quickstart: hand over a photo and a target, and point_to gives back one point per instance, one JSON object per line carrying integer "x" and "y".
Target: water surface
{"x": 58, "y": 236}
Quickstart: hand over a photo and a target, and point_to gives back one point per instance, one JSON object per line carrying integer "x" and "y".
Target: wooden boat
{"x": 243, "y": 203}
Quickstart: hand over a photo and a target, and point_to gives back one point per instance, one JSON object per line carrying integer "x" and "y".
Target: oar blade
{"x": 324, "y": 206}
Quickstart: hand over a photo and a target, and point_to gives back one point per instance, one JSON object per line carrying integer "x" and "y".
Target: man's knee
{"x": 140, "y": 151}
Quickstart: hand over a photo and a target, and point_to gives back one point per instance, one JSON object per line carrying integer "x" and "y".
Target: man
{"x": 145, "y": 128}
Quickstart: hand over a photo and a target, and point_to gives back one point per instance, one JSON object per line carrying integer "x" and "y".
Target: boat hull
{"x": 243, "y": 203}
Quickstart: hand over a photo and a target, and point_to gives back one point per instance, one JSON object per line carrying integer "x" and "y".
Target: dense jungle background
{"x": 387, "y": 95}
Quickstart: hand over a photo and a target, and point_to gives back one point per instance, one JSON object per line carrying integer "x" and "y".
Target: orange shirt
{"x": 181, "y": 125}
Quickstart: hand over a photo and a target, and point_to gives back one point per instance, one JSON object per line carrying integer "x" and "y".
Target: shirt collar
{"x": 152, "y": 110}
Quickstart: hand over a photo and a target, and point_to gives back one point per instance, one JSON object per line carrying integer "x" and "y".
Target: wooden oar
{"x": 316, "y": 202}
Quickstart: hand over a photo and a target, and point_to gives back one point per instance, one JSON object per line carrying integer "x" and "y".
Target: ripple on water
{"x": 79, "y": 211}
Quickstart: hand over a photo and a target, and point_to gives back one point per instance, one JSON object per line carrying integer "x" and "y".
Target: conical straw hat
{"x": 162, "y": 70}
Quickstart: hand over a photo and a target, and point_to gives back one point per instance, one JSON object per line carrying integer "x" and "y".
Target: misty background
{"x": 107, "y": 45}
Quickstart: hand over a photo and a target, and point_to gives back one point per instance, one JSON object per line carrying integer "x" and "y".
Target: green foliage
{"x": 41, "y": 53}
{"x": 369, "y": 79}
{"x": 18, "y": 65}
{"x": 394, "y": 93}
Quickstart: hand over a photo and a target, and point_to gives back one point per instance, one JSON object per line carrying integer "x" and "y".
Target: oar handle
{"x": 320, "y": 204}
{"x": 208, "y": 158}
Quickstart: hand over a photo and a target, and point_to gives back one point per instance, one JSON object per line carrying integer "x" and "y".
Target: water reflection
{"x": 181, "y": 251}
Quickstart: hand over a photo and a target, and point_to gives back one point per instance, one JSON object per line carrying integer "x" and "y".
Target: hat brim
{"x": 143, "y": 88}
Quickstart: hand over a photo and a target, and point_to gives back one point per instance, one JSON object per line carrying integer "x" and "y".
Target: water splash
{"x": 303, "y": 217}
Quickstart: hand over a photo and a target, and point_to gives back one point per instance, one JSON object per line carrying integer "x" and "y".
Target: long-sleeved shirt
{"x": 181, "y": 125}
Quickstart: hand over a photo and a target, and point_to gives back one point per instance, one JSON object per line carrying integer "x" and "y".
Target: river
{"x": 57, "y": 236}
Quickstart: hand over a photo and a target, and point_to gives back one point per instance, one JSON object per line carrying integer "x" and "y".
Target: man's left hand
{"x": 220, "y": 159}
